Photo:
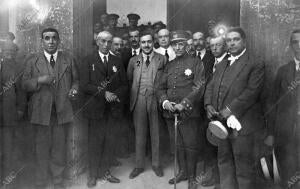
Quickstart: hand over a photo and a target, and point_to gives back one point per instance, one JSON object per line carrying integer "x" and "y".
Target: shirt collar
{"x": 102, "y": 56}
{"x": 48, "y": 55}
{"x": 202, "y": 53}
{"x": 136, "y": 50}
{"x": 219, "y": 59}
{"x": 297, "y": 62}
{"x": 145, "y": 56}
{"x": 238, "y": 56}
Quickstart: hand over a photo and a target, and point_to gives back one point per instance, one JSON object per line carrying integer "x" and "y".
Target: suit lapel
{"x": 139, "y": 68}
{"x": 43, "y": 66}
{"x": 290, "y": 75}
{"x": 236, "y": 69}
{"x": 155, "y": 63}
{"x": 98, "y": 64}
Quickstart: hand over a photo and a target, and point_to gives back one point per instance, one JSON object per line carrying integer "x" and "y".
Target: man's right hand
{"x": 210, "y": 110}
{"x": 169, "y": 106}
{"x": 46, "y": 79}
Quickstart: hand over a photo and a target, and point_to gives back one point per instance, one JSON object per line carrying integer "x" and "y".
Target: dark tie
{"x": 148, "y": 60}
{"x": 167, "y": 55}
{"x": 134, "y": 52}
{"x": 105, "y": 60}
{"x": 199, "y": 55}
{"x": 52, "y": 62}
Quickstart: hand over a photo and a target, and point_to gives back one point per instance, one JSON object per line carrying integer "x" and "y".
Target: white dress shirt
{"x": 232, "y": 58}
{"x": 202, "y": 53}
{"x": 136, "y": 50}
{"x": 102, "y": 56}
{"x": 297, "y": 62}
{"x": 48, "y": 56}
{"x": 170, "y": 51}
{"x": 218, "y": 60}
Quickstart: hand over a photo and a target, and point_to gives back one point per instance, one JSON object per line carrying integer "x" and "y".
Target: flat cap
{"x": 133, "y": 16}
{"x": 112, "y": 17}
{"x": 179, "y": 35}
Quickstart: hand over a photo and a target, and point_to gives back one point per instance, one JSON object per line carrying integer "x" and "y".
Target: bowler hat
{"x": 133, "y": 16}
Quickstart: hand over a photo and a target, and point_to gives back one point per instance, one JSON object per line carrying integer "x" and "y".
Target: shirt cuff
{"x": 163, "y": 104}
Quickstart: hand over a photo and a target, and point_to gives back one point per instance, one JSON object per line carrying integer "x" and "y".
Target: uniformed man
{"x": 133, "y": 21}
{"x": 112, "y": 20}
{"x": 164, "y": 43}
{"x": 180, "y": 88}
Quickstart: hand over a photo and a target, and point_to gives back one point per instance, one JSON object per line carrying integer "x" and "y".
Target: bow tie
{"x": 232, "y": 59}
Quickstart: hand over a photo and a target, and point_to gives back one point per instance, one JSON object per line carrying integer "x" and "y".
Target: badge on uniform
{"x": 114, "y": 68}
{"x": 187, "y": 72}
{"x": 138, "y": 63}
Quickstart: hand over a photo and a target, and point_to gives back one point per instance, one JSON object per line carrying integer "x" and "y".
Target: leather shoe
{"x": 192, "y": 183}
{"x": 158, "y": 171}
{"x": 181, "y": 176}
{"x": 209, "y": 182}
{"x": 92, "y": 182}
{"x": 136, "y": 172}
{"x": 112, "y": 179}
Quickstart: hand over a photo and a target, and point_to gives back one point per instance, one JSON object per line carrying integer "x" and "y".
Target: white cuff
{"x": 163, "y": 104}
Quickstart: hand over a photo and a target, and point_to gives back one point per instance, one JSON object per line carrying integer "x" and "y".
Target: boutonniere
{"x": 138, "y": 63}
{"x": 114, "y": 68}
{"x": 93, "y": 67}
{"x": 187, "y": 72}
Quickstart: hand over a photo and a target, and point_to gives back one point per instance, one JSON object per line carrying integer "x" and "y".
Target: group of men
{"x": 156, "y": 85}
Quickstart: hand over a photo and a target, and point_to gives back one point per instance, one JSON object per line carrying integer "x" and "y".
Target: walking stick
{"x": 175, "y": 148}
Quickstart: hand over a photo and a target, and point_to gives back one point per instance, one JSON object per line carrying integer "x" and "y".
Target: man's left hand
{"x": 225, "y": 113}
{"x": 179, "y": 107}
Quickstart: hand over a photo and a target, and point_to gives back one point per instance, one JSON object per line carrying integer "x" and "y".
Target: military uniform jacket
{"x": 182, "y": 81}
{"x": 93, "y": 73}
{"x": 241, "y": 90}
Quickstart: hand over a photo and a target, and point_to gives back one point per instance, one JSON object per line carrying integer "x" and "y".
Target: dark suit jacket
{"x": 242, "y": 92}
{"x": 208, "y": 63}
{"x": 126, "y": 56}
{"x": 12, "y": 97}
{"x": 43, "y": 96}
{"x": 284, "y": 114}
{"x": 93, "y": 73}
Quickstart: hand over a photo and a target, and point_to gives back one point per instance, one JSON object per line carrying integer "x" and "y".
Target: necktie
{"x": 199, "y": 55}
{"x": 105, "y": 60}
{"x": 215, "y": 64}
{"x": 52, "y": 62}
{"x": 148, "y": 60}
{"x": 134, "y": 52}
{"x": 167, "y": 55}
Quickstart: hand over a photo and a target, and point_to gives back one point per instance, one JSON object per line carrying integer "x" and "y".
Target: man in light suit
{"x": 142, "y": 75}
{"x": 233, "y": 93}
{"x": 51, "y": 76}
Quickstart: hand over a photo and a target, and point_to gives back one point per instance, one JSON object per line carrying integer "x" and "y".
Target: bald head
{"x": 199, "y": 41}
{"x": 104, "y": 40}
{"x": 164, "y": 38}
